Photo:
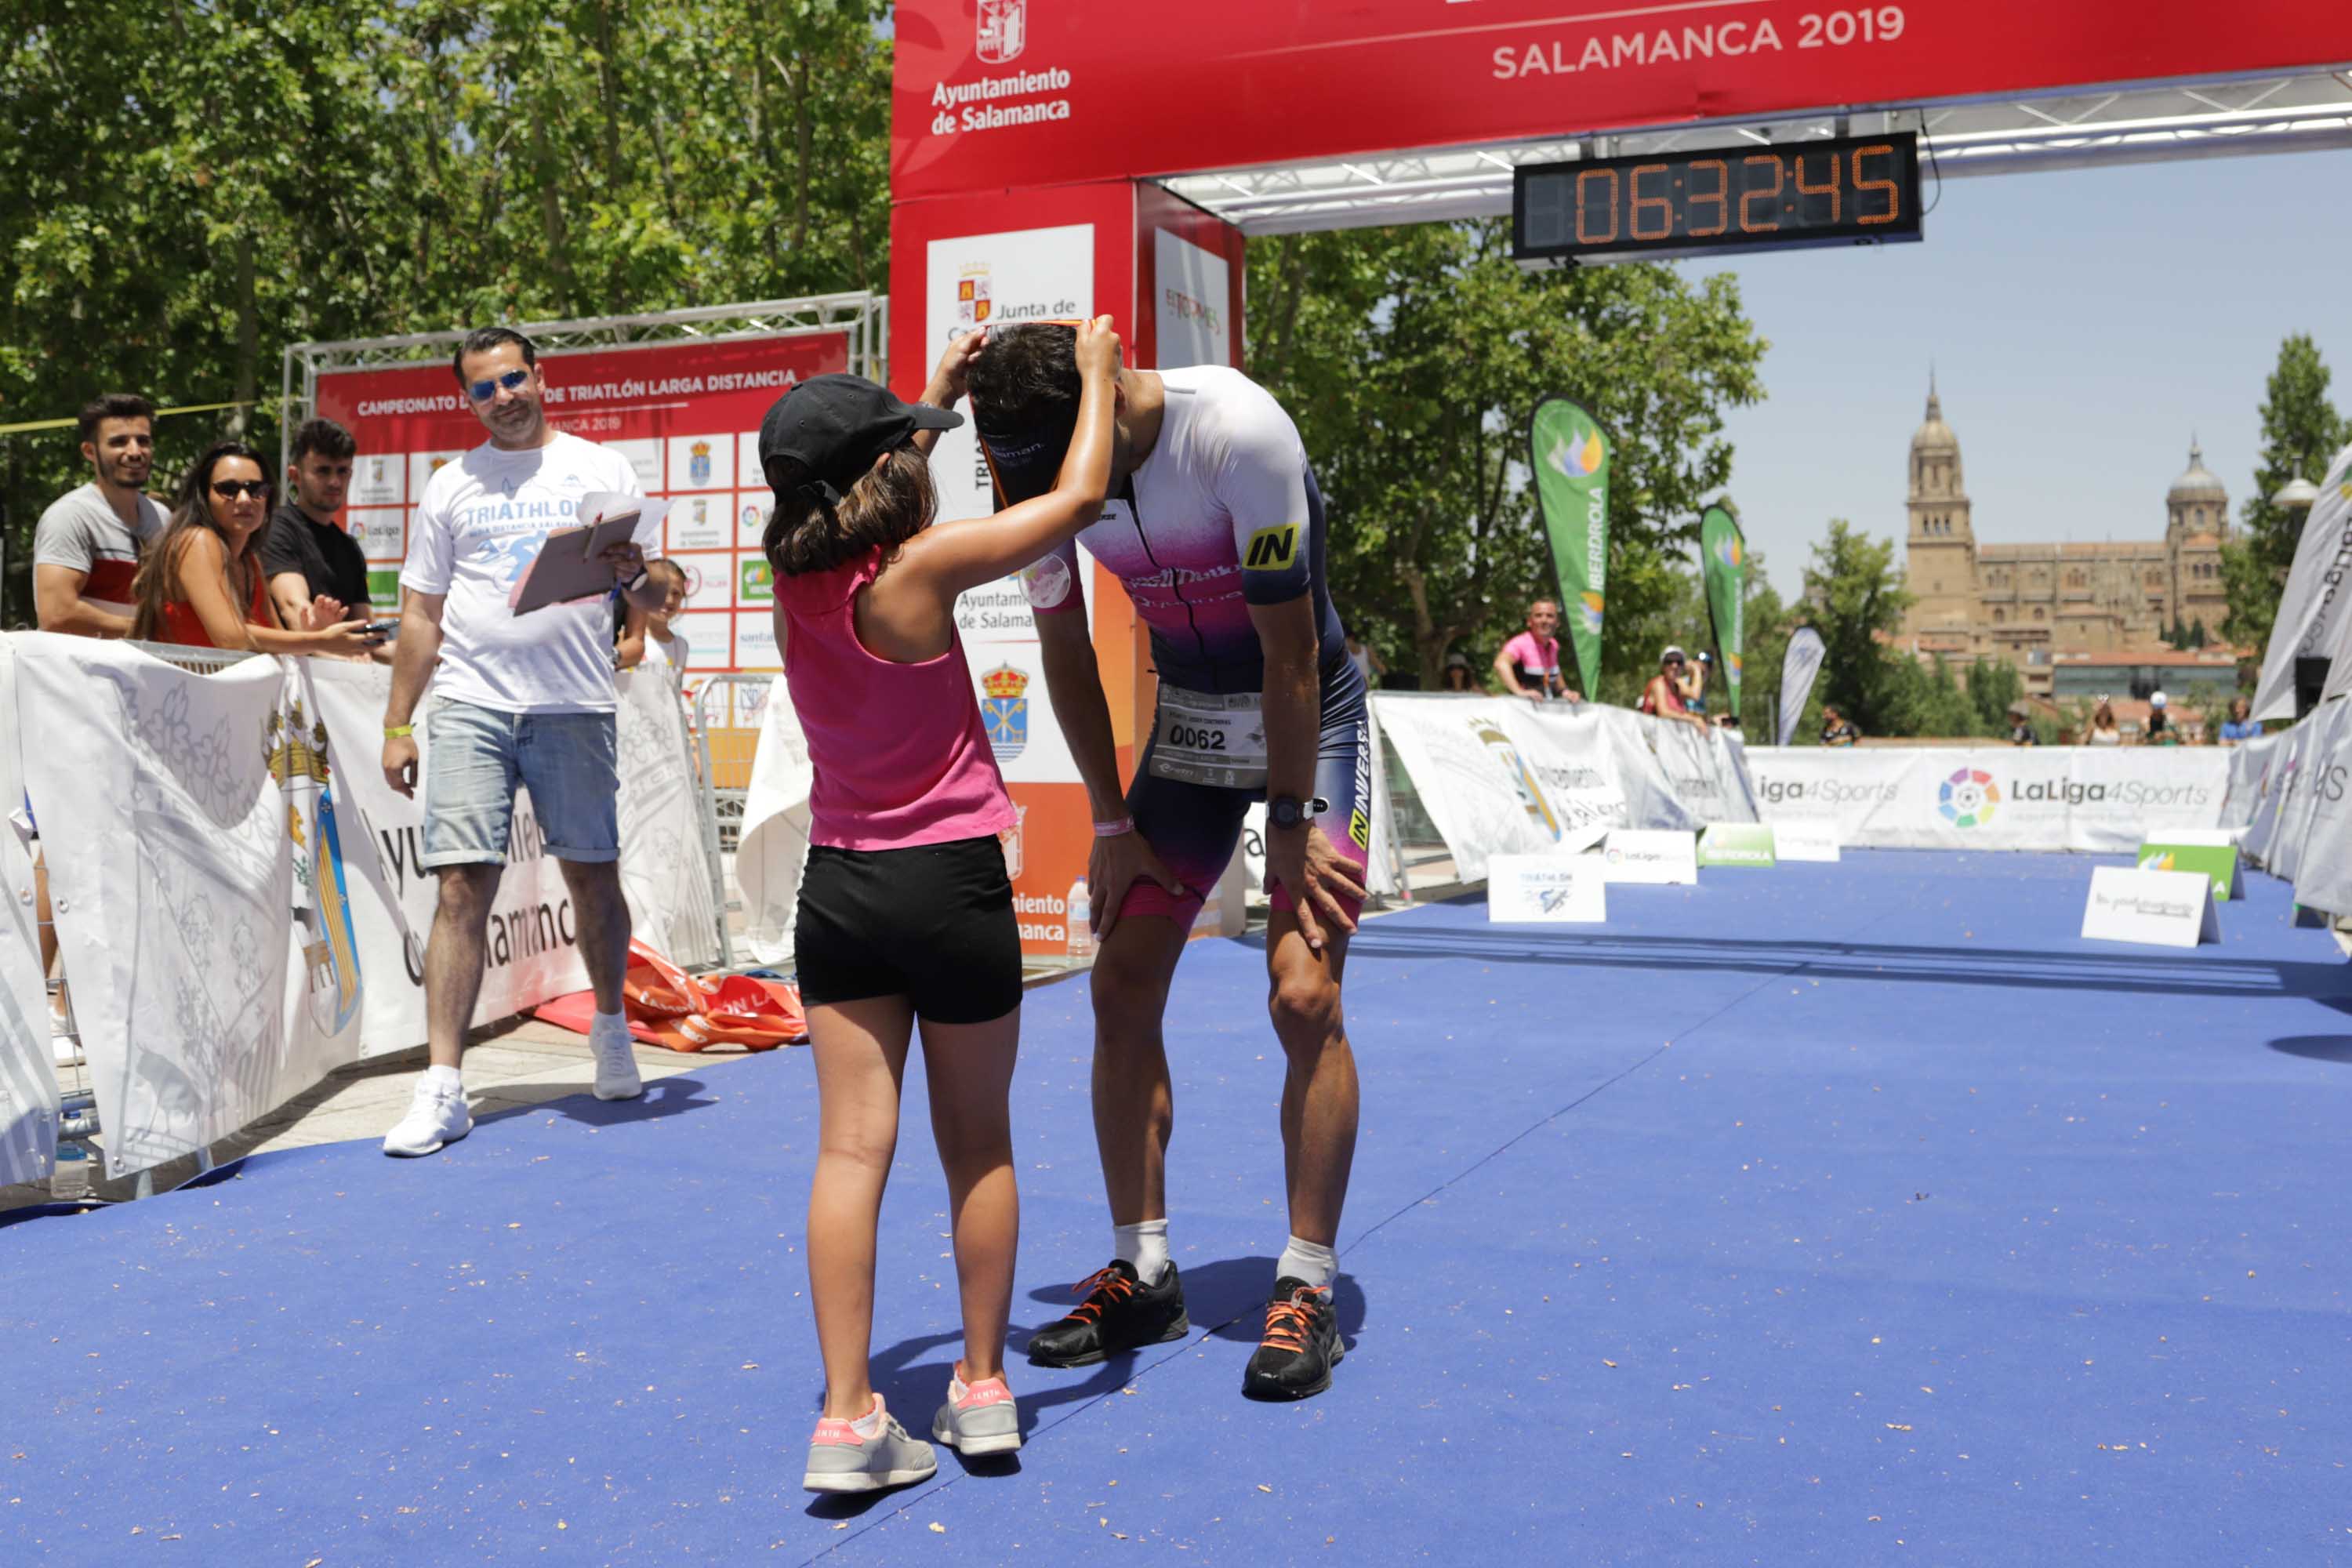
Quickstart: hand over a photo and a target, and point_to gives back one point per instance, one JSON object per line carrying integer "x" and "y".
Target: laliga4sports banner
{"x": 1571, "y": 455}
{"x": 988, "y": 93}
{"x": 1723, "y": 565}
{"x": 2087, "y": 798}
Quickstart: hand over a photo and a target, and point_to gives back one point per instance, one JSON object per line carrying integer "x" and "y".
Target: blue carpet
{"x": 1838, "y": 1214}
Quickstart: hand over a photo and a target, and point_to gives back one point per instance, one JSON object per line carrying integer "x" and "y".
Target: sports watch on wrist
{"x": 1289, "y": 811}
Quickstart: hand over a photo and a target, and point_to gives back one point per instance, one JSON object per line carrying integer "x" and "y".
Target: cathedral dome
{"x": 2200, "y": 483}
{"x": 1934, "y": 435}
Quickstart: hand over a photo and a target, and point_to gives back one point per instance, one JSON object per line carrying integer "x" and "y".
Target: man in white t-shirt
{"x": 517, "y": 700}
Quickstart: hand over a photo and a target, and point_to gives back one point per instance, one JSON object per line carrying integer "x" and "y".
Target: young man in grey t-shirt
{"x": 86, "y": 549}
{"x": 85, "y": 554}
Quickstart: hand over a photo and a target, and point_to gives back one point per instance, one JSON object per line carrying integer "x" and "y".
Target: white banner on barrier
{"x": 532, "y": 942}
{"x": 773, "y": 846}
{"x": 664, "y": 866}
{"x": 28, "y": 1082}
{"x": 171, "y": 876}
{"x": 2314, "y": 619}
{"x": 2024, "y": 797}
{"x": 2318, "y": 822}
{"x": 1805, "y": 839}
{"x": 1500, "y": 777}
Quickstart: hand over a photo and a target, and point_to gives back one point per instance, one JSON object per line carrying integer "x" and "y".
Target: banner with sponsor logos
{"x": 986, "y": 92}
{"x": 2315, "y": 612}
{"x": 1503, "y": 777}
{"x": 2087, "y": 798}
{"x": 164, "y": 801}
{"x": 28, "y": 1083}
{"x": 2315, "y": 843}
{"x": 1569, "y": 454}
{"x": 1723, "y": 565}
{"x": 237, "y": 887}
{"x": 686, "y": 414}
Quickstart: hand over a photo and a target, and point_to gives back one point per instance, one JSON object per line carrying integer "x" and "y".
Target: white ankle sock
{"x": 1144, "y": 1244}
{"x": 1309, "y": 1262}
{"x": 603, "y": 1021}
{"x": 870, "y": 1424}
{"x": 445, "y": 1078}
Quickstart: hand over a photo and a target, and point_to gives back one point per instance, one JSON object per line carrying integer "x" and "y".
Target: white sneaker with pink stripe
{"x": 978, "y": 1418}
{"x": 865, "y": 1455}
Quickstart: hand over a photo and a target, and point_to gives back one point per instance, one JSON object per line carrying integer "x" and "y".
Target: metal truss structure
{"x": 866, "y": 317}
{"x": 2075, "y": 130}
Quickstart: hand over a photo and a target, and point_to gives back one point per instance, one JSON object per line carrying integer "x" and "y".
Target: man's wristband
{"x": 1123, "y": 826}
{"x": 398, "y": 732}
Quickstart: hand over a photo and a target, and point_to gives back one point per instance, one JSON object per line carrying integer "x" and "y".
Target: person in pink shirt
{"x": 1529, "y": 665}
{"x": 906, "y": 914}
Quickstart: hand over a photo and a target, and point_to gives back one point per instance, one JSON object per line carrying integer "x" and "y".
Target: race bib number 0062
{"x": 1205, "y": 738}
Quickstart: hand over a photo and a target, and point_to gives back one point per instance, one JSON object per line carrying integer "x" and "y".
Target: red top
{"x": 1674, "y": 703}
{"x": 178, "y": 622}
{"x": 900, "y": 755}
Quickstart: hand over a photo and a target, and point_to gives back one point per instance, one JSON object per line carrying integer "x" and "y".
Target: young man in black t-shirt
{"x": 306, "y": 552}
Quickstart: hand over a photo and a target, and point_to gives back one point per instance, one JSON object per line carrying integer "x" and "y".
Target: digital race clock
{"x": 1853, "y": 190}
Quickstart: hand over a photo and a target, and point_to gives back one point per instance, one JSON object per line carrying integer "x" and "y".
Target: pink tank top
{"x": 900, "y": 755}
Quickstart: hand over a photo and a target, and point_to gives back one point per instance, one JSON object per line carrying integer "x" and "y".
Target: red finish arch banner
{"x": 686, "y": 414}
{"x": 991, "y": 93}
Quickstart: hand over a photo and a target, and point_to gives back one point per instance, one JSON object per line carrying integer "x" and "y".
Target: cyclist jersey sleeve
{"x": 1257, "y": 469}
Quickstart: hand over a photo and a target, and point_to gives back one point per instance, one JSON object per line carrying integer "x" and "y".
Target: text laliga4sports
{"x": 1675, "y": 46}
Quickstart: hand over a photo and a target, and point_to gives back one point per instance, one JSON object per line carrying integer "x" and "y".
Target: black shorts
{"x": 932, "y": 923}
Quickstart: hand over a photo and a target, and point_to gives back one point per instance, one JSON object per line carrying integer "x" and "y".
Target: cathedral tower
{"x": 1941, "y": 551}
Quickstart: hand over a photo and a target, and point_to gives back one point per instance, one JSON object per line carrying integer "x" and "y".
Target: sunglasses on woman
{"x": 230, "y": 489}
{"x": 483, "y": 391}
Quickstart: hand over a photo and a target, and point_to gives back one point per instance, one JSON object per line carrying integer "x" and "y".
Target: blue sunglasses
{"x": 483, "y": 391}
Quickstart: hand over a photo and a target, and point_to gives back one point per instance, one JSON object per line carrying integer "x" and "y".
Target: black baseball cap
{"x": 835, "y": 426}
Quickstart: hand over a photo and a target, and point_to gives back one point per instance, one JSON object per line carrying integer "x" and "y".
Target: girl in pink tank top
{"x": 906, "y": 914}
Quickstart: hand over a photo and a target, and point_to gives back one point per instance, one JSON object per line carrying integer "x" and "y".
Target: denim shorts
{"x": 475, "y": 757}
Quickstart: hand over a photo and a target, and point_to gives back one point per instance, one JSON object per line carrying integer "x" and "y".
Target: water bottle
{"x": 69, "y": 1182}
{"x": 1074, "y": 919}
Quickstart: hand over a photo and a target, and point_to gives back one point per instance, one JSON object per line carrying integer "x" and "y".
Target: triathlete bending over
{"x": 1215, "y": 527}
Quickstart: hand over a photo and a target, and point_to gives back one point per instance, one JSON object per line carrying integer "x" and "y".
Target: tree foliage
{"x": 193, "y": 187}
{"x": 2302, "y": 433}
{"x": 1411, "y": 360}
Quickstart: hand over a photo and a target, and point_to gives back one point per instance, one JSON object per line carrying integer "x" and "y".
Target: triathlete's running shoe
{"x": 1301, "y": 1346}
{"x": 1120, "y": 1312}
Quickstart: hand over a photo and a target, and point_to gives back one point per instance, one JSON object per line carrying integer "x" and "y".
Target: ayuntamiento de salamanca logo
{"x": 1967, "y": 799}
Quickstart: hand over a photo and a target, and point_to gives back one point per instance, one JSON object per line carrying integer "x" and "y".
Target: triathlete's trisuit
{"x": 1223, "y": 514}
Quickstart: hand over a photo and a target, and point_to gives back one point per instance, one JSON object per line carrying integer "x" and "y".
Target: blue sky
{"x": 2081, "y": 325}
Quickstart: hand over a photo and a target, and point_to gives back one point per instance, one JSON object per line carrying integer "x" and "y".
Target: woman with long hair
{"x": 202, "y": 584}
{"x": 2104, "y": 731}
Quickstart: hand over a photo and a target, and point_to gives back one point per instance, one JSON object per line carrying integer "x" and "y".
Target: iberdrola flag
{"x": 1571, "y": 462}
{"x": 1723, "y": 565}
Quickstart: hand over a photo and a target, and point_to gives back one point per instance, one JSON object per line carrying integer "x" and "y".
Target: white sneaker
{"x": 617, "y": 1060}
{"x": 437, "y": 1115}
{"x": 978, "y": 1418}
{"x": 841, "y": 1461}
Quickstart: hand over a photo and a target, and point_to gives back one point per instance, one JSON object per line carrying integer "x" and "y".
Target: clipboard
{"x": 568, "y": 567}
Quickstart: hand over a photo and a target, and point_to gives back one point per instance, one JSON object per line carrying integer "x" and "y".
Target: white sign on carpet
{"x": 1547, "y": 888}
{"x": 2168, "y": 908}
{"x": 1805, "y": 839}
{"x": 1650, "y": 855}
